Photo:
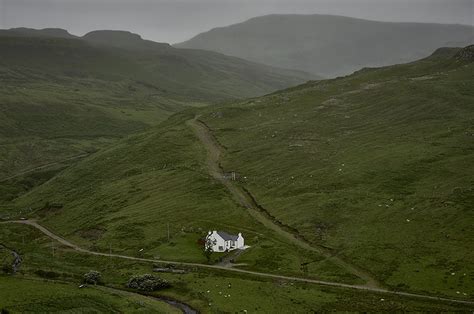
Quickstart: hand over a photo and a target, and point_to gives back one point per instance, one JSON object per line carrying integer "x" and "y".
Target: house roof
{"x": 226, "y": 236}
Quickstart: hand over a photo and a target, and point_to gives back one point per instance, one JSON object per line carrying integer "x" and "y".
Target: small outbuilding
{"x": 220, "y": 241}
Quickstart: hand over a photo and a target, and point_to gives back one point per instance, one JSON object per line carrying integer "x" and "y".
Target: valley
{"x": 116, "y": 270}
{"x": 260, "y": 214}
{"x": 77, "y": 95}
{"x": 119, "y": 154}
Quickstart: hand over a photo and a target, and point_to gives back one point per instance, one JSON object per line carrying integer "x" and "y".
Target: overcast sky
{"x": 177, "y": 20}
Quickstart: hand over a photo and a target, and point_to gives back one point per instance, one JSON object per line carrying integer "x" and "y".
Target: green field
{"x": 46, "y": 296}
{"x": 42, "y": 276}
{"x": 132, "y": 209}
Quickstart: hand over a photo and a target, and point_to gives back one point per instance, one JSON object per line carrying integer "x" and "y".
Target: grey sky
{"x": 177, "y": 20}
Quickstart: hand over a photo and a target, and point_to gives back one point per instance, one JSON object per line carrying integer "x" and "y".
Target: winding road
{"x": 236, "y": 270}
{"x": 246, "y": 200}
{"x": 213, "y": 154}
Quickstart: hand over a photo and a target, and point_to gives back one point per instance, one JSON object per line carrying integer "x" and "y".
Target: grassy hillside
{"x": 190, "y": 75}
{"x": 31, "y": 32}
{"x": 50, "y": 297}
{"x": 374, "y": 166}
{"x": 41, "y": 276}
{"x": 329, "y": 45}
{"x": 50, "y": 112}
{"x": 64, "y": 97}
{"x": 126, "y": 197}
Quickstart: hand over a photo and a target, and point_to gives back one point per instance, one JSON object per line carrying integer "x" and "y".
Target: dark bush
{"x": 92, "y": 277}
{"x": 7, "y": 268}
{"x": 46, "y": 274}
{"x": 147, "y": 283}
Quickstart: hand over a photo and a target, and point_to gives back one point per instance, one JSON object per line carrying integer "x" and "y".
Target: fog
{"x": 177, "y": 20}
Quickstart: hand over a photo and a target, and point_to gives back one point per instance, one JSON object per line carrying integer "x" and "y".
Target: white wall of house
{"x": 219, "y": 244}
{"x": 216, "y": 242}
{"x": 240, "y": 241}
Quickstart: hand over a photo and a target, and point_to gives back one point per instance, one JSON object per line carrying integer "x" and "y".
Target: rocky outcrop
{"x": 445, "y": 52}
{"x": 122, "y": 39}
{"x": 466, "y": 54}
{"x": 16, "y": 263}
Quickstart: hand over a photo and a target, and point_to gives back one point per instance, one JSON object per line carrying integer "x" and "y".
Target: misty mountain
{"x": 182, "y": 73}
{"x": 329, "y": 45}
{"x": 61, "y": 95}
{"x": 31, "y": 32}
{"x": 122, "y": 39}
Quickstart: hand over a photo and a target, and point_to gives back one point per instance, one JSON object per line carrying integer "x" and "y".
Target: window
{"x": 221, "y": 247}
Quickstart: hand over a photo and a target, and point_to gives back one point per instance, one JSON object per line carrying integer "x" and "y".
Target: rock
{"x": 466, "y": 54}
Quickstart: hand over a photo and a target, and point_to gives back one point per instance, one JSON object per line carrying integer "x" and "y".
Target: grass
{"x": 60, "y": 276}
{"x": 46, "y": 120}
{"x": 276, "y": 296}
{"x": 180, "y": 74}
{"x": 63, "y": 97}
{"x": 24, "y": 295}
{"x": 357, "y": 164}
{"x": 132, "y": 209}
{"x": 48, "y": 117}
{"x": 375, "y": 165}
{"x": 6, "y": 258}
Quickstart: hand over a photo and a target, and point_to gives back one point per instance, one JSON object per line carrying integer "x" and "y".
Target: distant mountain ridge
{"x": 122, "y": 39}
{"x": 193, "y": 73}
{"x": 45, "y": 32}
{"x": 329, "y": 45}
{"x": 61, "y": 94}
{"x": 116, "y": 38}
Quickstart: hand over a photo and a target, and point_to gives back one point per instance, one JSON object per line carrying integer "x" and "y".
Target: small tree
{"x": 208, "y": 248}
{"x": 92, "y": 277}
{"x": 147, "y": 283}
{"x": 208, "y": 253}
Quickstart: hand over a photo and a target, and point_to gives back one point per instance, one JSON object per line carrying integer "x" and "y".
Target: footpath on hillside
{"x": 257, "y": 212}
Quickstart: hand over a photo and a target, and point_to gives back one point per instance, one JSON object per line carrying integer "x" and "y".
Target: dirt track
{"x": 247, "y": 201}
{"x": 236, "y": 270}
{"x": 21, "y": 173}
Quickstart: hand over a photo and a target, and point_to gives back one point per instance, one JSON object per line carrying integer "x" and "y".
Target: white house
{"x": 220, "y": 241}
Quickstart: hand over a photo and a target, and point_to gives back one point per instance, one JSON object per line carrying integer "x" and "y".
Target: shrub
{"x": 92, "y": 277}
{"x": 47, "y": 274}
{"x": 7, "y": 268}
{"x": 147, "y": 283}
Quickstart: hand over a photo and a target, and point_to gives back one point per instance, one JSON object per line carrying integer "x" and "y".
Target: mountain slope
{"x": 186, "y": 74}
{"x": 375, "y": 167}
{"x": 64, "y": 96}
{"x": 31, "y": 32}
{"x": 329, "y": 45}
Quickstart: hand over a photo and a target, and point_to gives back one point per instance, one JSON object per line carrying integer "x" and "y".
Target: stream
{"x": 182, "y": 306}
{"x": 16, "y": 258}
